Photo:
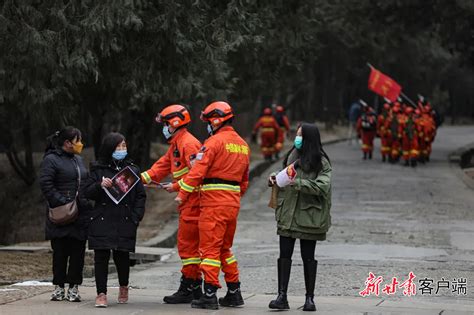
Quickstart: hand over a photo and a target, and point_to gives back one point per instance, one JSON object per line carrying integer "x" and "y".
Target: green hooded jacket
{"x": 303, "y": 209}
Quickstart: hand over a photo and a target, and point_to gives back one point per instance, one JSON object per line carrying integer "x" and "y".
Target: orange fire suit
{"x": 366, "y": 126}
{"x": 222, "y": 168}
{"x": 284, "y": 124}
{"x": 383, "y": 131}
{"x": 177, "y": 162}
{"x": 269, "y": 134}
{"x": 410, "y": 148}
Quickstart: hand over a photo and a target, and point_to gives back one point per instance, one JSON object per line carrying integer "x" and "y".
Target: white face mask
{"x": 166, "y": 132}
{"x": 210, "y": 131}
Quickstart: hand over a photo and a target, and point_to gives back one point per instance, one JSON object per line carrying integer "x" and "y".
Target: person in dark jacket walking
{"x": 302, "y": 211}
{"x": 113, "y": 227}
{"x": 59, "y": 184}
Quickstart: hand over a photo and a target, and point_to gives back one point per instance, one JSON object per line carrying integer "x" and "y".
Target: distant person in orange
{"x": 284, "y": 123}
{"x": 383, "y": 131}
{"x": 366, "y": 127}
{"x": 269, "y": 133}
{"x": 177, "y": 162}
{"x": 221, "y": 169}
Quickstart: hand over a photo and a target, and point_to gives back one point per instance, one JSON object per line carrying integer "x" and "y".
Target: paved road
{"x": 387, "y": 219}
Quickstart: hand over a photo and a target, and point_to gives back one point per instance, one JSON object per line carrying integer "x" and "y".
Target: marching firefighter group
{"x": 406, "y": 133}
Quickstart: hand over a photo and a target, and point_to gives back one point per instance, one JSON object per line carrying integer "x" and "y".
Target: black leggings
{"x": 287, "y": 245}
{"x": 101, "y": 268}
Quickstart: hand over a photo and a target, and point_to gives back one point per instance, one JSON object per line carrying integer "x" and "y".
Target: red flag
{"x": 383, "y": 85}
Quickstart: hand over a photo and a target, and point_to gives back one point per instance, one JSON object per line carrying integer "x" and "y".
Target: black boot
{"x": 284, "y": 270}
{"x": 407, "y": 163}
{"x": 233, "y": 297}
{"x": 208, "y": 300}
{"x": 370, "y": 155}
{"x": 310, "y": 269}
{"x": 413, "y": 162}
{"x": 384, "y": 158}
{"x": 197, "y": 289}
{"x": 365, "y": 156}
{"x": 184, "y": 294}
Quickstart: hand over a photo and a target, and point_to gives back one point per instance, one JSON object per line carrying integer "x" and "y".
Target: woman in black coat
{"x": 59, "y": 182}
{"x": 113, "y": 227}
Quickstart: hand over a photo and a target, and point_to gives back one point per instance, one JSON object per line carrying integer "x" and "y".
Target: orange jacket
{"x": 177, "y": 162}
{"x": 222, "y": 168}
{"x": 268, "y": 124}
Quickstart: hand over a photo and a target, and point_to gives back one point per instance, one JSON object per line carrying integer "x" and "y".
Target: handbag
{"x": 68, "y": 212}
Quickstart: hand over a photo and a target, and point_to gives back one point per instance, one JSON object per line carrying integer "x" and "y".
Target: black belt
{"x": 219, "y": 181}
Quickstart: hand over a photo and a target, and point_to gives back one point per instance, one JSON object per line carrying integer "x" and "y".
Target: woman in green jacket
{"x": 303, "y": 211}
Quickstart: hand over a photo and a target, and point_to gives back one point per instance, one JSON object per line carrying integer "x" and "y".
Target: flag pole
{"x": 408, "y": 99}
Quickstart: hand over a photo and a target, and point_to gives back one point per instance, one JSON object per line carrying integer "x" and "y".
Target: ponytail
{"x": 56, "y": 140}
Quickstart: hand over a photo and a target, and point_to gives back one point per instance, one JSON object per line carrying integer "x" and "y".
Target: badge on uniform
{"x": 199, "y": 156}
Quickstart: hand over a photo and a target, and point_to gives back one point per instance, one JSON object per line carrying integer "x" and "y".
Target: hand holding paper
{"x": 286, "y": 176}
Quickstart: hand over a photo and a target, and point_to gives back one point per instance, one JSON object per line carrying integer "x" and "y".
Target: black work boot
{"x": 284, "y": 270}
{"x": 197, "y": 289}
{"x": 407, "y": 163}
{"x": 208, "y": 300}
{"x": 310, "y": 269}
{"x": 184, "y": 294}
{"x": 384, "y": 158}
{"x": 370, "y": 155}
{"x": 233, "y": 297}
{"x": 365, "y": 156}
{"x": 413, "y": 162}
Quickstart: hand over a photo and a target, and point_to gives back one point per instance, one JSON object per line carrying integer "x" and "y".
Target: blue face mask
{"x": 166, "y": 132}
{"x": 298, "y": 142}
{"x": 209, "y": 129}
{"x": 119, "y": 154}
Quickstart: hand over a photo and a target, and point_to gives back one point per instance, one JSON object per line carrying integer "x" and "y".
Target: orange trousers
{"x": 268, "y": 142}
{"x": 217, "y": 227}
{"x": 367, "y": 140}
{"x": 188, "y": 242}
{"x": 385, "y": 145}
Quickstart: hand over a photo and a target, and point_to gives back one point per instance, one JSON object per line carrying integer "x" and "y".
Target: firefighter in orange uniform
{"x": 269, "y": 133}
{"x": 384, "y": 132}
{"x": 366, "y": 127}
{"x": 177, "y": 162}
{"x": 395, "y": 130}
{"x": 222, "y": 168}
{"x": 284, "y": 123}
{"x": 409, "y": 138}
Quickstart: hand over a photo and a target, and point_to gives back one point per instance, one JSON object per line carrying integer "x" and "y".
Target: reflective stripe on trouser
{"x": 367, "y": 140}
{"x": 188, "y": 242}
{"x": 217, "y": 227}
{"x": 385, "y": 145}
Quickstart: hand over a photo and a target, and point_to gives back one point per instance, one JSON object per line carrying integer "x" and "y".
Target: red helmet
{"x": 396, "y": 109}
{"x": 417, "y": 111}
{"x": 216, "y": 113}
{"x": 386, "y": 106}
{"x": 427, "y": 108}
{"x": 175, "y": 115}
{"x": 280, "y": 109}
{"x": 267, "y": 111}
{"x": 408, "y": 110}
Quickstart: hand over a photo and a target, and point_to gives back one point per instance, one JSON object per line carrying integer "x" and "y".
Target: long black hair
{"x": 109, "y": 144}
{"x": 311, "y": 153}
{"x": 57, "y": 139}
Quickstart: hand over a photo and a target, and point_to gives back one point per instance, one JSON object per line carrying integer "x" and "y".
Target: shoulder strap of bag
{"x": 78, "y": 176}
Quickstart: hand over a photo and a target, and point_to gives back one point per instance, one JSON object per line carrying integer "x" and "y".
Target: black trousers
{"x": 101, "y": 267}
{"x": 68, "y": 260}
{"x": 287, "y": 245}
